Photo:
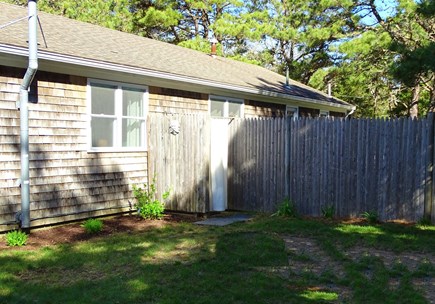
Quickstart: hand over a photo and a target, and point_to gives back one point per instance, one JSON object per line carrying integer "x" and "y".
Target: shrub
{"x": 425, "y": 221}
{"x": 328, "y": 211}
{"x": 148, "y": 206}
{"x": 16, "y": 238}
{"x": 152, "y": 210}
{"x": 92, "y": 226}
{"x": 371, "y": 217}
{"x": 287, "y": 208}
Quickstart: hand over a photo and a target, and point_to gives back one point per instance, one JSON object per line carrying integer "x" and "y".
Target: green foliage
{"x": 112, "y": 14}
{"x": 152, "y": 210}
{"x": 93, "y": 226}
{"x": 16, "y": 238}
{"x": 371, "y": 217}
{"x": 200, "y": 44}
{"x": 415, "y": 52}
{"x": 425, "y": 221}
{"x": 300, "y": 35}
{"x": 328, "y": 211}
{"x": 148, "y": 206}
{"x": 286, "y": 208}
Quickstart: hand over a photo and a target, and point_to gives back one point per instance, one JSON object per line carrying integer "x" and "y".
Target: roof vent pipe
{"x": 287, "y": 77}
{"x": 329, "y": 89}
{"x": 24, "y": 115}
{"x": 213, "y": 43}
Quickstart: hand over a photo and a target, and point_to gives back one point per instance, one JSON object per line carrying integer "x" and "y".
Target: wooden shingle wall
{"x": 66, "y": 181}
{"x": 177, "y": 101}
{"x": 261, "y": 109}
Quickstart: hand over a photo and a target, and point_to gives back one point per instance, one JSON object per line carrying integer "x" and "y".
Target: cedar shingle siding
{"x": 66, "y": 181}
{"x": 177, "y": 101}
{"x": 262, "y": 109}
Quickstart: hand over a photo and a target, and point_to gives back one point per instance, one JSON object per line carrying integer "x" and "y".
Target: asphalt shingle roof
{"x": 87, "y": 41}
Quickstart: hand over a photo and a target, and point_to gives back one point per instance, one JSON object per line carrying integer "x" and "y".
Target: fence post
{"x": 429, "y": 203}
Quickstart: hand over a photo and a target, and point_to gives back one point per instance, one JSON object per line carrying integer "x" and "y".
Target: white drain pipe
{"x": 24, "y": 115}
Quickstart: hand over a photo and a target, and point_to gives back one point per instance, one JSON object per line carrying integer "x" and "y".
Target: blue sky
{"x": 385, "y": 7}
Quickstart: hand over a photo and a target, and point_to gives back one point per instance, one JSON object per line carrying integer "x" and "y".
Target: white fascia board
{"x": 215, "y": 88}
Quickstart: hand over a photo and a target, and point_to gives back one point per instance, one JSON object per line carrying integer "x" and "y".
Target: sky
{"x": 385, "y": 7}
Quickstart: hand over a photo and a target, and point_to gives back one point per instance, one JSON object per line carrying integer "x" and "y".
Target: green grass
{"x": 233, "y": 264}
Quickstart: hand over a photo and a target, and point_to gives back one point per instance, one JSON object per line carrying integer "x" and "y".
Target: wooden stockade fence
{"x": 257, "y": 163}
{"x": 180, "y": 161}
{"x": 354, "y": 165}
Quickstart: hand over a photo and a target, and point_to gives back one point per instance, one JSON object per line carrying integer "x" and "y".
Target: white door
{"x": 219, "y": 163}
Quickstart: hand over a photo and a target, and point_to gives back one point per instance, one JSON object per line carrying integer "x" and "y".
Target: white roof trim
{"x": 61, "y": 58}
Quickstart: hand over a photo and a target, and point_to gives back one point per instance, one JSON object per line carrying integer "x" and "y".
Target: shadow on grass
{"x": 190, "y": 264}
{"x": 171, "y": 265}
{"x": 358, "y": 248}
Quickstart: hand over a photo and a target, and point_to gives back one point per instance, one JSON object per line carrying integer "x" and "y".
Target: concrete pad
{"x": 224, "y": 220}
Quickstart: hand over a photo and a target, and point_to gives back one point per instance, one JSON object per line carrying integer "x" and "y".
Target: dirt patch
{"x": 73, "y": 232}
{"x": 411, "y": 261}
{"x": 390, "y": 259}
{"x": 427, "y": 286}
{"x": 306, "y": 257}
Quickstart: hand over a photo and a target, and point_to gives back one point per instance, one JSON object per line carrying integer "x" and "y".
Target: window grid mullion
{"x": 226, "y": 108}
{"x": 118, "y": 113}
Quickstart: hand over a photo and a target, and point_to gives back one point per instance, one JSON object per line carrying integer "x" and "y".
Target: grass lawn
{"x": 266, "y": 260}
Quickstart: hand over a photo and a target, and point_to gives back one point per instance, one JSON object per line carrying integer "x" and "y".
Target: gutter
{"x": 24, "y": 216}
{"x": 101, "y": 65}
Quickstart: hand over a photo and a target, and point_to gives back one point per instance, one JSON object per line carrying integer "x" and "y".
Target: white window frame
{"x": 226, "y": 101}
{"x": 117, "y": 145}
{"x": 292, "y": 109}
{"x": 323, "y": 113}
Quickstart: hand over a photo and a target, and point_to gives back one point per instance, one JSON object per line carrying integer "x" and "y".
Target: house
{"x": 89, "y": 103}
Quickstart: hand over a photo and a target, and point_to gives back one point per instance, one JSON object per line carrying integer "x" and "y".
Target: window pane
{"x": 324, "y": 114}
{"x": 234, "y": 109}
{"x": 131, "y": 132}
{"x": 217, "y": 108}
{"x": 102, "y": 131}
{"x": 103, "y": 99}
{"x": 132, "y": 102}
{"x": 291, "y": 112}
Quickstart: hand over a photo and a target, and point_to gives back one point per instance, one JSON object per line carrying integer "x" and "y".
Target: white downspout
{"x": 24, "y": 115}
{"x": 350, "y": 113}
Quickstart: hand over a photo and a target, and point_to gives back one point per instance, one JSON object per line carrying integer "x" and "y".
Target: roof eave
{"x": 78, "y": 61}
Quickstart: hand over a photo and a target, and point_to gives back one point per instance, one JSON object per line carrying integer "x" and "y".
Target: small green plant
{"x": 328, "y": 211}
{"x": 16, "y": 238}
{"x": 424, "y": 221}
{"x": 371, "y": 217}
{"x": 287, "y": 208}
{"x": 148, "y": 206}
{"x": 92, "y": 226}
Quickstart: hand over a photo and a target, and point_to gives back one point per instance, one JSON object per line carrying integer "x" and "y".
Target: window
{"x": 324, "y": 113}
{"x": 226, "y": 107}
{"x": 118, "y": 116}
{"x": 292, "y": 112}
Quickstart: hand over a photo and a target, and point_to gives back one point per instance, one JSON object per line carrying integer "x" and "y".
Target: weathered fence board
{"x": 353, "y": 165}
{"x": 180, "y": 162}
{"x": 256, "y": 164}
